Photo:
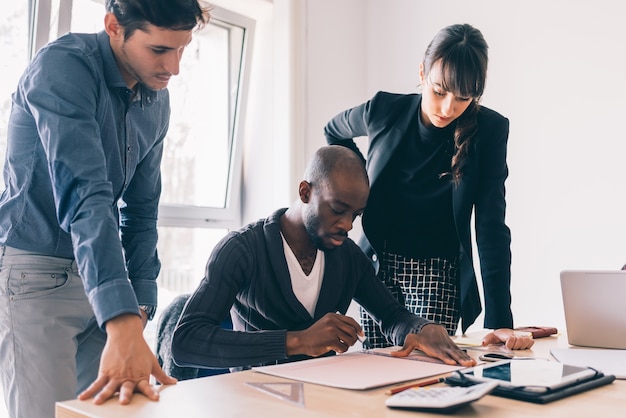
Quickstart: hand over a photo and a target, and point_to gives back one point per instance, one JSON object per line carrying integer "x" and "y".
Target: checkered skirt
{"x": 426, "y": 287}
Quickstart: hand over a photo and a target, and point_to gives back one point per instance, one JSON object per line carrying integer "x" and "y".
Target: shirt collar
{"x": 113, "y": 75}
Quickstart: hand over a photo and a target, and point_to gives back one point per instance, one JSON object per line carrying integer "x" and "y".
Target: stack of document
{"x": 607, "y": 361}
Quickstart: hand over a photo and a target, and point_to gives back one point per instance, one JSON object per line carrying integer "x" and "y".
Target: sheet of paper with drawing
{"x": 359, "y": 370}
{"x": 415, "y": 355}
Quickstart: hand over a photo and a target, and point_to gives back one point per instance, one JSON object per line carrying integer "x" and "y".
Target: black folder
{"x": 599, "y": 379}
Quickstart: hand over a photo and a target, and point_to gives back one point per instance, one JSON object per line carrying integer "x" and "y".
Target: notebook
{"x": 595, "y": 307}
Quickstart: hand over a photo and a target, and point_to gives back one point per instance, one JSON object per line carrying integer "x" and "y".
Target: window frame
{"x": 228, "y": 217}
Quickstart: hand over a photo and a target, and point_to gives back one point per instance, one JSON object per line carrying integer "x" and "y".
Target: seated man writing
{"x": 287, "y": 281}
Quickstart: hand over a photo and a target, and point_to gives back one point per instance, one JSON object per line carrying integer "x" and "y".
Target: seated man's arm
{"x": 332, "y": 332}
{"x": 199, "y": 340}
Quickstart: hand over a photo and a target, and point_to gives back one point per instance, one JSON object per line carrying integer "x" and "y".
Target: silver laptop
{"x": 595, "y": 308}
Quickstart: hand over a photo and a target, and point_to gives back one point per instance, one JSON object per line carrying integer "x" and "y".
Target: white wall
{"x": 557, "y": 71}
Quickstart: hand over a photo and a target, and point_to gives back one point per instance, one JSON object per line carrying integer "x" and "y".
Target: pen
{"x": 398, "y": 389}
{"x": 365, "y": 342}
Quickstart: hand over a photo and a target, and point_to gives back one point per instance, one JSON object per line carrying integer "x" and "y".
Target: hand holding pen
{"x": 332, "y": 332}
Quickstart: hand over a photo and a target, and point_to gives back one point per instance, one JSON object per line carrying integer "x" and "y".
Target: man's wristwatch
{"x": 149, "y": 310}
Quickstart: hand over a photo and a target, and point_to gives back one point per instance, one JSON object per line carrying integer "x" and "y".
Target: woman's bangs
{"x": 462, "y": 77}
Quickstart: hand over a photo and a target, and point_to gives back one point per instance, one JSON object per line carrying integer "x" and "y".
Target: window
{"x": 14, "y": 50}
{"x": 203, "y": 157}
{"x": 202, "y": 161}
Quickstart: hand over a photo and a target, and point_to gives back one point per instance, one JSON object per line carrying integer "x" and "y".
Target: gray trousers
{"x": 50, "y": 343}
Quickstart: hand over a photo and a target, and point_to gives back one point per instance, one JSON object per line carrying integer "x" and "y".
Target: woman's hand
{"x": 513, "y": 340}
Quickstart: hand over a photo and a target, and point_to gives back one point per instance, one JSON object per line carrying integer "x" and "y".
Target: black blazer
{"x": 384, "y": 120}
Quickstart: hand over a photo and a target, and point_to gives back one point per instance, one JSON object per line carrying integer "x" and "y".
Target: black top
{"x": 417, "y": 194}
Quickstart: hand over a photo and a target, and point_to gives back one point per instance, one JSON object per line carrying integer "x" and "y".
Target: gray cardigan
{"x": 247, "y": 274}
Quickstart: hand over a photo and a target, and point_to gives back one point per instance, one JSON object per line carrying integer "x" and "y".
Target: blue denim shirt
{"x": 83, "y": 169}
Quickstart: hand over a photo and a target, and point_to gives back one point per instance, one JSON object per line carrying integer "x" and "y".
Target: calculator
{"x": 439, "y": 399}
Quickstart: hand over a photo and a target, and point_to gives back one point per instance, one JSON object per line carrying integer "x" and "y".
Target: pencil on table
{"x": 398, "y": 389}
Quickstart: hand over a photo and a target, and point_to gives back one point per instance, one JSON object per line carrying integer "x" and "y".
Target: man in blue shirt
{"x": 78, "y": 218}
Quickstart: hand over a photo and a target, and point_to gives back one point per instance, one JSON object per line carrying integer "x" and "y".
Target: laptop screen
{"x": 595, "y": 307}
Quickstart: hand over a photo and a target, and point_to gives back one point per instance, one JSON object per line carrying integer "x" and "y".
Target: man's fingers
{"x": 147, "y": 389}
{"x": 164, "y": 379}
{"x": 451, "y": 356}
{"x": 107, "y": 392}
{"x": 349, "y": 324}
{"x": 104, "y": 392}
{"x": 403, "y": 352}
{"x": 462, "y": 358}
{"x": 341, "y": 347}
{"x": 127, "y": 389}
{"x": 94, "y": 388}
{"x": 160, "y": 375}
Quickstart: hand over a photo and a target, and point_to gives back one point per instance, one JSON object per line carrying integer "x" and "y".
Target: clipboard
{"x": 599, "y": 379}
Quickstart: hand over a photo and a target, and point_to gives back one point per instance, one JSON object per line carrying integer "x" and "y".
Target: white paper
{"x": 357, "y": 370}
{"x": 605, "y": 360}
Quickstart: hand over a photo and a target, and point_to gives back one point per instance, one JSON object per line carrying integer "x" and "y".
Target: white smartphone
{"x": 531, "y": 375}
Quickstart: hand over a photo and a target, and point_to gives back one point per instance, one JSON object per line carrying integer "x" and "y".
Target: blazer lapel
{"x": 380, "y": 152}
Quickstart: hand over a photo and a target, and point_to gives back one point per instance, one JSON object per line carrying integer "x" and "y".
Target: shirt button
{"x": 374, "y": 258}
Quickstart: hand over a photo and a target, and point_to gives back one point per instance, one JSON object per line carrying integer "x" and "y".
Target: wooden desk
{"x": 229, "y": 396}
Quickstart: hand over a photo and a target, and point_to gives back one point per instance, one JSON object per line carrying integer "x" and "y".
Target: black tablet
{"x": 529, "y": 375}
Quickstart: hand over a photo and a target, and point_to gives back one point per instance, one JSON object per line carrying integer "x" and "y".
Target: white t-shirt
{"x": 306, "y": 288}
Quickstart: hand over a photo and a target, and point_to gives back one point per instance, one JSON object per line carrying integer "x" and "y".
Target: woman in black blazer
{"x": 433, "y": 159}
